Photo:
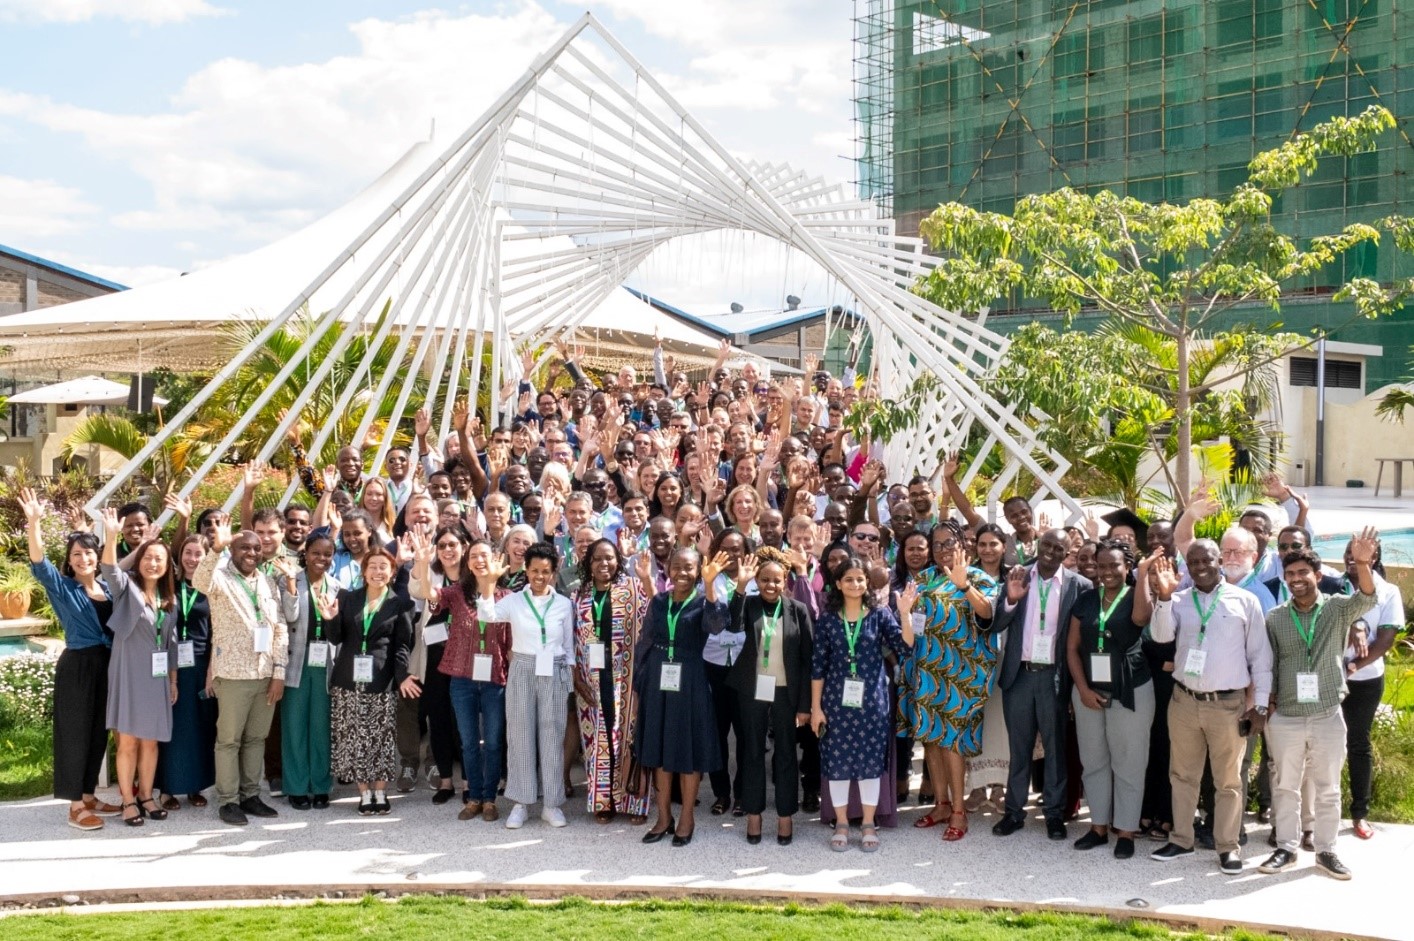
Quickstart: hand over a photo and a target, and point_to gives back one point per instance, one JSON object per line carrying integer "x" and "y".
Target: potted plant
{"x": 17, "y": 587}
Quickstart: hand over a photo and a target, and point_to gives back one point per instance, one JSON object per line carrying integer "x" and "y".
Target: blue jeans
{"x": 480, "y": 709}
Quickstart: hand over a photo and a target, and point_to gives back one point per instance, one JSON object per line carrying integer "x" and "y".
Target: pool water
{"x": 9, "y": 646}
{"x": 1396, "y": 547}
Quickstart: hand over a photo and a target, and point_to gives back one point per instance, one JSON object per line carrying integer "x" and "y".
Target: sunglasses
{"x": 1290, "y": 546}
{"x": 867, "y": 537}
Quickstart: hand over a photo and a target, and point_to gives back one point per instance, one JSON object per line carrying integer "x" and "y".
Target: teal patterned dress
{"x": 950, "y": 671}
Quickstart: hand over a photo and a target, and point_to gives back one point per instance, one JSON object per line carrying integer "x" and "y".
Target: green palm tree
{"x": 119, "y": 434}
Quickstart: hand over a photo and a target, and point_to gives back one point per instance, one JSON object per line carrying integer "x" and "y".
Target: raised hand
{"x": 423, "y": 551}
{"x": 1365, "y": 545}
{"x": 715, "y": 567}
{"x": 625, "y": 541}
{"x": 112, "y": 529}
{"x": 554, "y": 513}
{"x": 1017, "y": 581}
{"x": 292, "y": 434}
{"x": 30, "y": 506}
{"x": 1044, "y": 524}
{"x": 151, "y": 533}
{"x": 1275, "y": 487}
{"x": 643, "y": 568}
{"x": 527, "y": 362}
{"x": 1202, "y": 502}
{"x": 421, "y": 422}
{"x": 178, "y": 504}
{"x": 798, "y": 561}
{"x": 221, "y": 531}
{"x": 745, "y": 572}
{"x": 1148, "y": 561}
{"x": 1092, "y": 524}
{"x": 460, "y": 414}
{"x": 252, "y": 474}
{"x": 327, "y": 603}
{"x": 907, "y": 599}
{"x": 406, "y": 551}
{"x": 331, "y": 478}
{"x": 957, "y": 568}
{"x": 286, "y": 566}
{"x": 334, "y": 518}
{"x": 495, "y": 569}
{"x": 1163, "y": 579}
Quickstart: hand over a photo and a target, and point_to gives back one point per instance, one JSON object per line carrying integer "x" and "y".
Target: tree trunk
{"x": 1183, "y": 417}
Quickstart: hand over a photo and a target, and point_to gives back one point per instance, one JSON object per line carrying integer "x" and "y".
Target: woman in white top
{"x": 538, "y": 681}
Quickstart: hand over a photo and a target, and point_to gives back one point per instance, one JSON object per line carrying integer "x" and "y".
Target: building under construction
{"x": 985, "y": 101}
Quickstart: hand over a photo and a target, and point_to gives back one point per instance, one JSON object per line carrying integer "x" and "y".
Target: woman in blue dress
{"x": 187, "y": 763}
{"x": 851, "y": 710}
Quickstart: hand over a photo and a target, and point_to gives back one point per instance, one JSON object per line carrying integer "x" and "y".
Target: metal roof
{"x": 62, "y": 269}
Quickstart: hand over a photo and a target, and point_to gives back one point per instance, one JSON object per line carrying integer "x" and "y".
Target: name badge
{"x": 545, "y": 663}
{"x": 1043, "y": 649}
{"x": 919, "y": 621}
{"x": 765, "y": 687}
{"x": 853, "y": 697}
{"x": 481, "y": 667}
{"x": 159, "y": 663}
{"x": 596, "y": 656}
{"x": 264, "y": 636}
{"x": 1100, "y": 668}
{"x": 1308, "y": 687}
{"x": 363, "y": 669}
{"x": 318, "y": 653}
{"x": 670, "y": 680}
{"x": 435, "y": 633}
{"x": 186, "y": 654}
{"x": 1197, "y": 660}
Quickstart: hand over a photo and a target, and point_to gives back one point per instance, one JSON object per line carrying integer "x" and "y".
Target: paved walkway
{"x": 425, "y": 844}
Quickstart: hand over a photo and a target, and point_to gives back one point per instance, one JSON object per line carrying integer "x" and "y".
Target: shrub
{"x": 27, "y": 689}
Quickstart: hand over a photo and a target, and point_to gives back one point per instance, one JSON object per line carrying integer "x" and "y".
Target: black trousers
{"x": 1359, "y": 708}
{"x": 431, "y": 711}
{"x": 1158, "y": 792}
{"x": 724, "y": 704}
{"x": 80, "y": 720}
{"x": 756, "y": 718}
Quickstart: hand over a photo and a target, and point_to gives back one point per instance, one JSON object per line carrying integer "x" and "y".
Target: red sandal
{"x": 928, "y": 820}
{"x": 954, "y": 833}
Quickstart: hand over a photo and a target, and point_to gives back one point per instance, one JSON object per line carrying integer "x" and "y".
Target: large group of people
{"x": 666, "y": 580}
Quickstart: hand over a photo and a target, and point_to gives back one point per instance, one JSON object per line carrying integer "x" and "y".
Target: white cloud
{"x": 40, "y": 208}
{"x": 152, "y": 12}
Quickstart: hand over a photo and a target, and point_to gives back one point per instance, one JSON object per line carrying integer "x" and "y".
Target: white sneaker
{"x": 516, "y": 818}
{"x": 554, "y": 816}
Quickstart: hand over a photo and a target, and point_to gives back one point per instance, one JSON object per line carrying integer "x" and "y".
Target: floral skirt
{"x": 365, "y": 735}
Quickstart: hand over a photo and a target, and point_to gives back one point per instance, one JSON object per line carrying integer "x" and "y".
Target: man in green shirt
{"x": 1306, "y": 728}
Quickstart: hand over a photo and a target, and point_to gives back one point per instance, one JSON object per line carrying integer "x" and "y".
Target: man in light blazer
{"x": 1033, "y": 679}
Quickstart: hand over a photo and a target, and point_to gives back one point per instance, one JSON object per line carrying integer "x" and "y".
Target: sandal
{"x": 719, "y": 806}
{"x": 1363, "y": 829}
{"x": 603, "y": 816}
{"x": 196, "y": 800}
{"x": 156, "y": 813}
{"x": 928, "y": 820}
{"x": 170, "y": 803}
{"x": 869, "y": 842}
{"x": 954, "y": 833}
{"x": 134, "y": 821}
{"x": 637, "y": 820}
{"x": 839, "y": 840}
{"x": 84, "y": 819}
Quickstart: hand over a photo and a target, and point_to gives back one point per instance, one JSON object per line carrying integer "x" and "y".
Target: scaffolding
{"x": 986, "y": 101}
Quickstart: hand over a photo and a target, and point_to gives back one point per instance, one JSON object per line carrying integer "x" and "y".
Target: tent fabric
{"x": 87, "y": 390}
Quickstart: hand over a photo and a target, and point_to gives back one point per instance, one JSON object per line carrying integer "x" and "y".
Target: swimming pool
{"x": 1396, "y": 547}
{"x": 9, "y": 646}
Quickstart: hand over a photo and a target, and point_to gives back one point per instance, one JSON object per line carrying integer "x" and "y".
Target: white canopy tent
{"x": 86, "y": 390}
{"x": 536, "y": 215}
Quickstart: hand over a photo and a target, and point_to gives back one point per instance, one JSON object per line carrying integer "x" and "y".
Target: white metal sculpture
{"x": 570, "y": 181}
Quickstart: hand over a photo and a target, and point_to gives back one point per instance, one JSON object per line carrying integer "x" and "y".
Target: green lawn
{"x": 26, "y": 762}
{"x": 515, "y": 920}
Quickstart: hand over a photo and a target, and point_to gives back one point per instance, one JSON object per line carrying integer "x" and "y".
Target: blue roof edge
{"x": 62, "y": 269}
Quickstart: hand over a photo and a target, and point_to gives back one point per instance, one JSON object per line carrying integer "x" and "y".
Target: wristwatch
{"x": 1261, "y": 710}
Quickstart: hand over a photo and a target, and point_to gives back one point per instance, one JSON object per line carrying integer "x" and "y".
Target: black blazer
{"x": 389, "y": 640}
{"x": 1071, "y": 587}
{"x": 799, "y": 647}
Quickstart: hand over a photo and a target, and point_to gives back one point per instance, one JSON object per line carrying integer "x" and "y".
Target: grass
{"x": 515, "y": 919}
{"x": 26, "y": 762}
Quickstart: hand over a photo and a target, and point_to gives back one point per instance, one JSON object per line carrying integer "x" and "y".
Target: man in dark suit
{"x": 1033, "y": 679}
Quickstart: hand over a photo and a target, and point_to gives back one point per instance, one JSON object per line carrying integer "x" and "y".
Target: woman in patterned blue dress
{"x": 949, "y": 674}
{"x": 850, "y": 692}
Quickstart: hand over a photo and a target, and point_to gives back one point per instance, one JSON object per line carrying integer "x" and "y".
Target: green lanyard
{"x": 254, "y": 595}
{"x": 159, "y": 615}
{"x": 1105, "y": 613}
{"x": 851, "y": 637}
{"x": 773, "y": 624}
{"x": 1205, "y": 616}
{"x": 539, "y": 615}
{"x": 1308, "y": 636}
{"x": 369, "y": 613}
{"x": 314, "y": 609}
{"x": 188, "y": 596}
{"x": 599, "y": 601}
{"x": 673, "y": 622}
{"x": 1020, "y": 553}
{"x": 1043, "y": 588}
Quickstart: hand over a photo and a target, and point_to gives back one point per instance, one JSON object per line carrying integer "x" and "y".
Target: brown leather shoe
{"x": 101, "y": 808}
{"x": 170, "y": 802}
{"x": 196, "y": 800}
{"x": 470, "y": 810}
{"x": 84, "y": 819}
{"x": 489, "y": 811}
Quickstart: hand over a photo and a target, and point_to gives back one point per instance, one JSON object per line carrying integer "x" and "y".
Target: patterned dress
{"x": 605, "y": 725}
{"x": 949, "y": 673}
{"x": 857, "y": 740}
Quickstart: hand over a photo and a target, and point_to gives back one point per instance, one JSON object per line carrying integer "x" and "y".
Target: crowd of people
{"x": 666, "y": 581}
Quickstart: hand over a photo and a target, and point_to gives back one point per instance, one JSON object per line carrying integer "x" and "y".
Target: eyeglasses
{"x": 867, "y": 537}
{"x": 1290, "y": 546}
{"x": 950, "y": 544}
{"x": 453, "y": 544}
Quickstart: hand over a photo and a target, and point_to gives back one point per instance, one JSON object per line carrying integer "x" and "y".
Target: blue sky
{"x": 141, "y": 138}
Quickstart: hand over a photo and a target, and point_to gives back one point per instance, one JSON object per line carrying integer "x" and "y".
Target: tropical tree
{"x": 120, "y": 434}
{"x": 1171, "y": 270}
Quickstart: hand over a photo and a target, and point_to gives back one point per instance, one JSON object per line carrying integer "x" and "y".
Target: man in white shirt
{"x": 1222, "y": 677}
{"x": 537, "y": 682}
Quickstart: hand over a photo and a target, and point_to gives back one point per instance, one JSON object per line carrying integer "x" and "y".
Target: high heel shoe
{"x": 156, "y": 813}
{"x": 753, "y": 839}
{"x": 651, "y": 837}
{"x": 133, "y": 821}
{"x": 684, "y": 840}
{"x": 783, "y": 839}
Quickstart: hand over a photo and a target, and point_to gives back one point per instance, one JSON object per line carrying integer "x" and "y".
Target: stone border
{"x": 94, "y": 902}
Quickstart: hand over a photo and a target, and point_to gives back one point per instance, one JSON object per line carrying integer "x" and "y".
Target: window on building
{"x": 1340, "y": 373}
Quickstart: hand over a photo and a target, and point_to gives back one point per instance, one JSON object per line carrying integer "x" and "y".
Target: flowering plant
{"x": 27, "y": 688}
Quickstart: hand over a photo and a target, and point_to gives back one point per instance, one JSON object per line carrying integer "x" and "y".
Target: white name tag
{"x": 481, "y": 667}
{"x": 765, "y": 687}
{"x": 186, "y": 654}
{"x": 1043, "y": 649}
{"x": 1308, "y": 687}
{"x": 435, "y": 633}
{"x": 919, "y": 621}
{"x": 363, "y": 669}
{"x": 853, "y": 697}
{"x": 670, "y": 680}
{"x": 318, "y": 653}
{"x": 1100, "y": 668}
{"x": 159, "y": 663}
{"x": 596, "y": 656}
{"x": 545, "y": 663}
{"x": 1197, "y": 660}
{"x": 264, "y": 636}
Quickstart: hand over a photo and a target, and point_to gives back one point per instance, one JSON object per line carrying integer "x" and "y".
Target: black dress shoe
{"x": 258, "y": 808}
{"x": 651, "y": 837}
{"x": 783, "y": 839}
{"x": 1008, "y": 825}
{"x": 1124, "y": 847}
{"x": 1230, "y": 863}
{"x": 321, "y": 801}
{"x": 1089, "y": 840}
{"x": 684, "y": 840}
{"x": 443, "y": 795}
{"x": 753, "y": 838}
{"x": 810, "y": 803}
{"x": 300, "y": 802}
{"x": 233, "y": 815}
{"x": 1055, "y": 829}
